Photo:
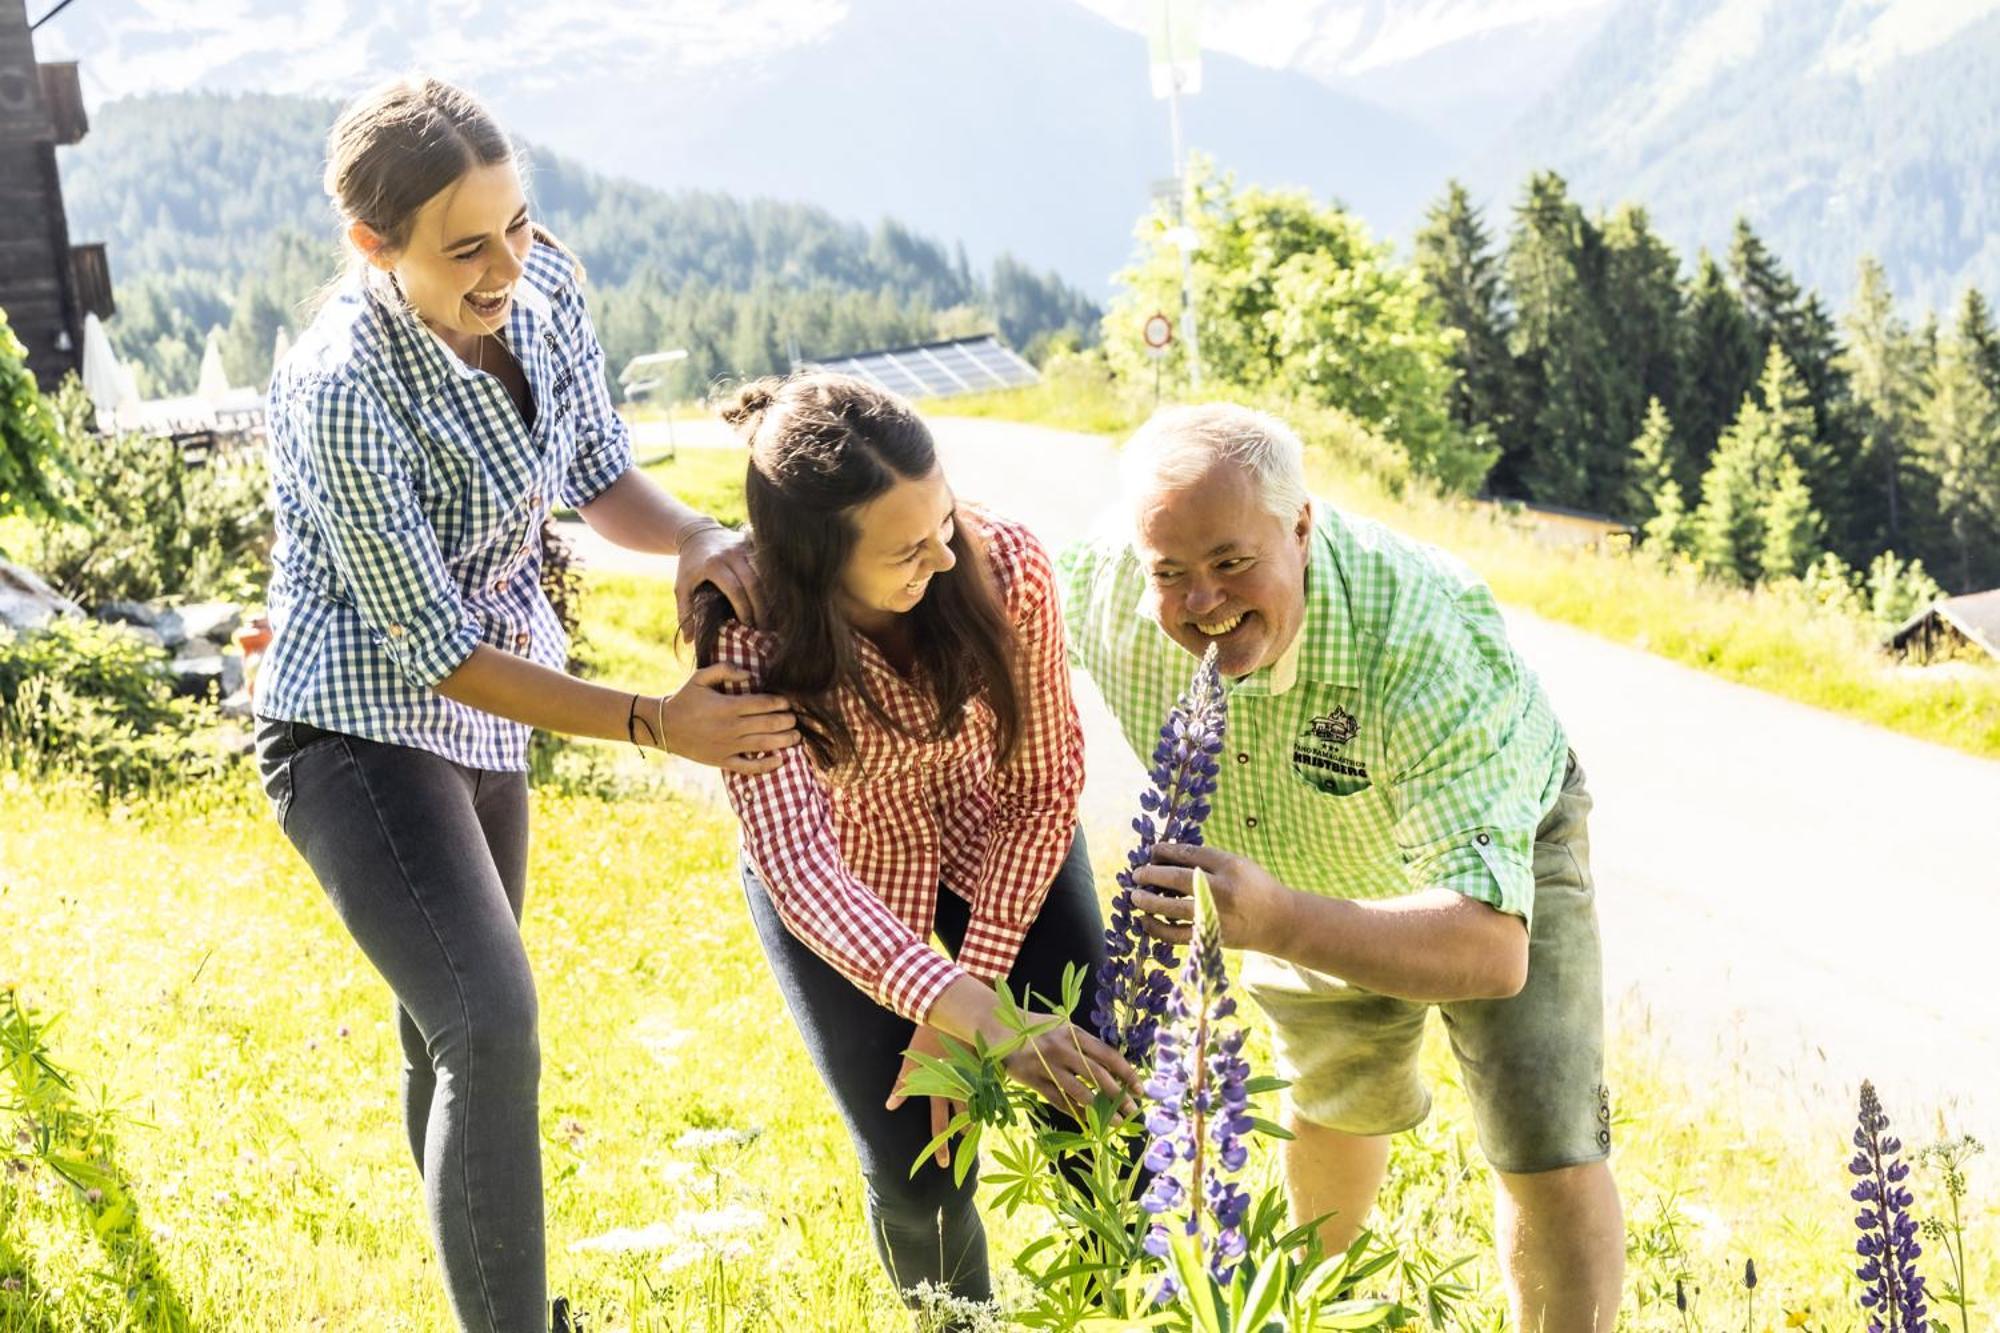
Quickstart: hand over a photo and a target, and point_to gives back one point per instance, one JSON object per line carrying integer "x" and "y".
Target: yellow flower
{"x": 1797, "y": 1318}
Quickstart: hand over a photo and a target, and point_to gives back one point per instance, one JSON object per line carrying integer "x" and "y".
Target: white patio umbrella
{"x": 213, "y": 385}
{"x": 105, "y": 378}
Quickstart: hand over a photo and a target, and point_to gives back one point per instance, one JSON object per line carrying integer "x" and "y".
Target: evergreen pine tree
{"x": 1773, "y": 428}
{"x": 1671, "y": 528}
{"x": 1555, "y": 270}
{"x": 1770, "y": 296}
{"x": 1654, "y": 490}
{"x": 1797, "y": 321}
{"x": 1653, "y": 459}
{"x": 1960, "y": 450}
{"x": 1462, "y": 283}
{"x": 1720, "y": 357}
{"x": 1977, "y": 336}
{"x": 1726, "y": 523}
{"x": 1881, "y": 365}
{"x": 1792, "y": 528}
{"x": 1642, "y": 305}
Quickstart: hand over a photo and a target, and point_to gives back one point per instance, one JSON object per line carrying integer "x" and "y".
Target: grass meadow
{"x": 231, "y": 1068}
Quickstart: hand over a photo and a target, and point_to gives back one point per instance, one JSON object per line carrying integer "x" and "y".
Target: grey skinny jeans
{"x": 425, "y": 861}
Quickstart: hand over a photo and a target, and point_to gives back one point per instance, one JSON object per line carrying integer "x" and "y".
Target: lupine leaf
{"x": 1261, "y": 1301}
{"x": 1357, "y": 1314}
{"x": 1197, "y": 1291}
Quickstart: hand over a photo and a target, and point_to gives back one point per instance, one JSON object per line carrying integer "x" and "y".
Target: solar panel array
{"x": 940, "y": 369}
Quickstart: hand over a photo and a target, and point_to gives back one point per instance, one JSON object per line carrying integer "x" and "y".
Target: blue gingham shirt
{"x": 409, "y": 497}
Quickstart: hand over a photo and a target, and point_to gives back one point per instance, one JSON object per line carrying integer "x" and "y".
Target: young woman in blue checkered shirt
{"x": 444, "y": 398}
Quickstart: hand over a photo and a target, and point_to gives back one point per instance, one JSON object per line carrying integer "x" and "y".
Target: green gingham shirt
{"x": 409, "y": 497}
{"x": 1399, "y": 743}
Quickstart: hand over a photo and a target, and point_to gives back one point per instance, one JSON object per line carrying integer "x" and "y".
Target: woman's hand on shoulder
{"x": 717, "y": 555}
{"x": 738, "y": 733}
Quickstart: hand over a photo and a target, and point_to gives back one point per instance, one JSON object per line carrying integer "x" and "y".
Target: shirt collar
{"x": 422, "y": 356}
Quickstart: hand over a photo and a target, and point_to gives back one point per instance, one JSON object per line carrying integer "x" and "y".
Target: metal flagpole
{"x": 1177, "y": 69}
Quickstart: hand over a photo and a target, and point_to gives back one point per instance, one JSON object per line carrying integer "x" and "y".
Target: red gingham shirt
{"x": 854, "y": 856}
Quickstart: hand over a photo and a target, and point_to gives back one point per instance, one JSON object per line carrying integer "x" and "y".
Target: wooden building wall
{"x": 41, "y": 109}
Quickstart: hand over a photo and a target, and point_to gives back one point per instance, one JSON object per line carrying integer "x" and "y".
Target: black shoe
{"x": 562, "y": 1321}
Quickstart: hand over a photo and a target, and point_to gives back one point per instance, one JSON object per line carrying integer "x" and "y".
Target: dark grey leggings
{"x": 925, "y": 1228}
{"x": 425, "y": 861}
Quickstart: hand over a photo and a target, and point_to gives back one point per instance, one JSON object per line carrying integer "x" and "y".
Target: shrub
{"x": 30, "y": 452}
{"x": 89, "y": 699}
{"x": 151, "y": 525}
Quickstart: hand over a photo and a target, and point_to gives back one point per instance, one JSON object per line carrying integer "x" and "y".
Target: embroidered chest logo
{"x": 1336, "y": 728}
{"x": 1321, "y": 742}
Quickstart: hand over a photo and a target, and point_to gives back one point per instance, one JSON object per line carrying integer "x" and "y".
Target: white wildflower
{"x": 715, "y": 1223}
{"x": 661, "y": 1038}
{"x": 627, "y": 1240}
{"x": 705, "y": 1140}
{"x": 698, "y": 1251}
{"x": 937, "y": 1308}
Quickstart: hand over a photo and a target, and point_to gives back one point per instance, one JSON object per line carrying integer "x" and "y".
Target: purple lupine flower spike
{"x": 1134, "y": 985}
{"x": 1201, "y": 1108}
{"x": 1888, "y": 1247}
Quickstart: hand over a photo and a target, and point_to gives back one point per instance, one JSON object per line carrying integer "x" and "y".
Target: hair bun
{"x": 746, "y": 409}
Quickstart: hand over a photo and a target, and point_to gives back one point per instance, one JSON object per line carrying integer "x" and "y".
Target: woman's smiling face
{"x": 902, "y": 541}
{"x": 466, "y": 250}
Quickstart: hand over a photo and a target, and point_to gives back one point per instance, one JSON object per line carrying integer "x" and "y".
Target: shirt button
{"x": 499, "y": 585}
{"x": 1482, "y": 840}
{"x": 521, "y": 641}
{"x": 1242, "y": 758}
{"x": 395, "y": 631}
{"x": 1249, "y": 821}
{"x": 536, "y": 499}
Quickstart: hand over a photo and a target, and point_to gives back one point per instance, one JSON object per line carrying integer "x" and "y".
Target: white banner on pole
{"x": 1173, "y": 41}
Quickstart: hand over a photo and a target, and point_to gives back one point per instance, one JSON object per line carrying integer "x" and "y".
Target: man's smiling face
{"x": 1223, "y": 569}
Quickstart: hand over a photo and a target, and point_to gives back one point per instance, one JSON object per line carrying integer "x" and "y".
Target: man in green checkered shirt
{"x": 1399, "y": 826}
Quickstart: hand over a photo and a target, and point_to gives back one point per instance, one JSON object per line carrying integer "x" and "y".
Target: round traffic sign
{"x": 1159, "y": 332}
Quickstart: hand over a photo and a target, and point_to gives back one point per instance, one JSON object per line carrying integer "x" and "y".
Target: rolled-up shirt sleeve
{"x": 603, "y": 441}
{"x": 1469, "y": 771}
{"x": 789, "y": 839}
{"x": 1039, "y": 785}
{"x": 363, "y": 500}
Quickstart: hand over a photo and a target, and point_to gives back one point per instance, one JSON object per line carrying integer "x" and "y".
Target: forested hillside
{"x": 215, "y": 218}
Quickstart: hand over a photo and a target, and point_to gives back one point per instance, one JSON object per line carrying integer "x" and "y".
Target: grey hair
{"x": 1178, "y": 445}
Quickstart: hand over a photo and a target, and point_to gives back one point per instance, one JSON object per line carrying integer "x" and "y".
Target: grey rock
{"x": 167, "y": 624}
{"x": 141, "y": 614}
{"x": 210, "y": 621}
{"x": 28, "y": 603}
{"x": 198, "y": 677}
{"x": 145, "y": 634}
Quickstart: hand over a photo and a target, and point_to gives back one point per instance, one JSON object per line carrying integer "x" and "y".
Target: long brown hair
{"x": 821, "y": 445}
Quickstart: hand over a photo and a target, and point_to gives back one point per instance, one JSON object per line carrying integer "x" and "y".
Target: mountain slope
{"x": 1839, "y": 127}
{"x": 211, "y": 208}
{"x": 1020, "y": 125}
{"x": 1464, "y": 69}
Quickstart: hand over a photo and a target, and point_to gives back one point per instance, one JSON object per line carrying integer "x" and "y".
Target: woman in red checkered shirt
{"x": 921, "y": 645}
